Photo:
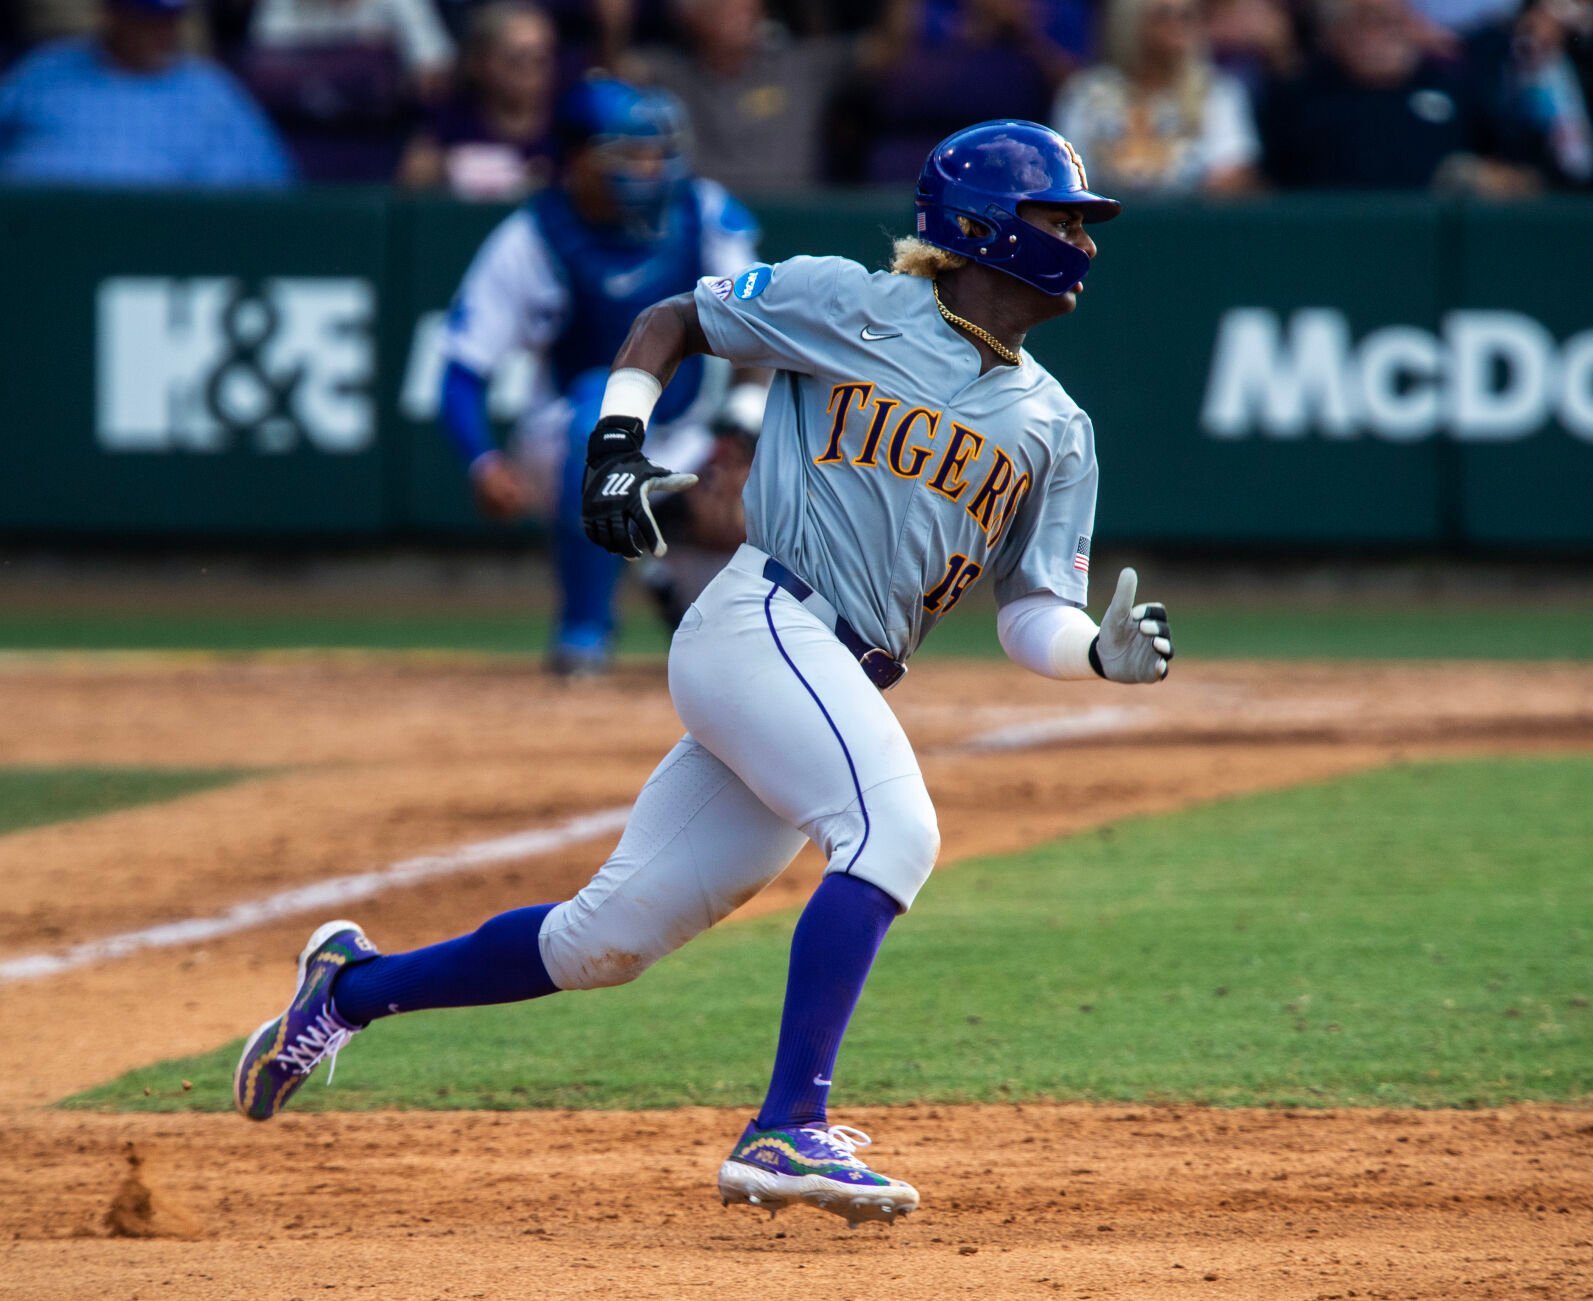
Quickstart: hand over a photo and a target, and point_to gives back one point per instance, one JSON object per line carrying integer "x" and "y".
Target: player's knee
{"x": 594, "y": 965}
{"x": 611, "y": 966}
{"x": 914, "y": 833}
{"x": 587, "y": 946}
{"x": 918, "y": 848}
{"x": 903, "y": 841}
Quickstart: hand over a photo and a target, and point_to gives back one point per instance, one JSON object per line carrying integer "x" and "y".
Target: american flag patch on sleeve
{"x": 1081, "y": 554}
{"x": 921, "y": 223}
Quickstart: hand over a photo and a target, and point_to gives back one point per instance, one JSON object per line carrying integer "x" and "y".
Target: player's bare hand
{"x": 500, "y": 489}
{"x": 1135, "y": 642}
{"x": 615, "y": 510}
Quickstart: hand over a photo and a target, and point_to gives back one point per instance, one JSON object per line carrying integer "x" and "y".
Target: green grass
{"x": 32, "y": 797}
{"x": 1347, "y": 631}
{"x": 1421, "y": 935}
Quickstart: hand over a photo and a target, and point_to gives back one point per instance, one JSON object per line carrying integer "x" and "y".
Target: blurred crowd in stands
{"x": 1486, "y": 97}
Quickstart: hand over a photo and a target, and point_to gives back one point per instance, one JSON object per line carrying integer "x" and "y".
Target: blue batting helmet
{"x": 640, "y": 133}
{"x": 982, "y": 173}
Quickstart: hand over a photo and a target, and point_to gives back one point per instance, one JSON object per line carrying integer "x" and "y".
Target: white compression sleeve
{"x": 630, "y": 392}
{"x": 1044, "y": 634}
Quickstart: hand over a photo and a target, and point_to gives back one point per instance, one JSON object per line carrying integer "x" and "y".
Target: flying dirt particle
{"x": 187, "y": 1084}
{"x": 142, "y": 1209}
{"x": 967, "y": 1251}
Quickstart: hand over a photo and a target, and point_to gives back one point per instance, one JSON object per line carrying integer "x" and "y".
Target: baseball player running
{"x": 910, "y": 447}
{"x": 563, "y": 277}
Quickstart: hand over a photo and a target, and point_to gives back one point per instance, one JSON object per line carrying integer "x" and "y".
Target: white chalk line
{"x": 1060, "y": 727}
{"x": 333, "y": 894}
{"x": 320, "y": 896}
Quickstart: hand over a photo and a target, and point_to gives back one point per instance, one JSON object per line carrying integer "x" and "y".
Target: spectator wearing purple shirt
{"x": 949, "y": 65}
{"x": 492, "y": 139}
{"x": 1060, "y": 33}
{"x": 409, "y": 29}
{"x": 128, "y": 108}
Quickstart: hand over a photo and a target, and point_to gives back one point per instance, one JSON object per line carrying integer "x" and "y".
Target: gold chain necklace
{"x": 996, "y": 346}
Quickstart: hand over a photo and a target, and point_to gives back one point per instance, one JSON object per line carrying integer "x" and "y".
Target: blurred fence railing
{"x": 1329, "y": 371}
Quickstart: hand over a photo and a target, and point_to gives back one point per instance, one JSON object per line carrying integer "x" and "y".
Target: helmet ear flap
{"x": 1004, "y": 242}
{"x": 998, "y": 217}
{"x": 988, "y": 229}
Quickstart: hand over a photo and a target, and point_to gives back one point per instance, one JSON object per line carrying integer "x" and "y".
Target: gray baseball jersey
{"x": 890, "y": 473}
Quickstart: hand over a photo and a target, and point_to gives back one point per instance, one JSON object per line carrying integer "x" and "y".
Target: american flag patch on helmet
{"x": 921, "y": 222}
{"x": 1081, "y": 554}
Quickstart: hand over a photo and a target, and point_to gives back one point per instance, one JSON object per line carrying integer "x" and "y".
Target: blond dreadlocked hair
{"x": 913, "y": 257}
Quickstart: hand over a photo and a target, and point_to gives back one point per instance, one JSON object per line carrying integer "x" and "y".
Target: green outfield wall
{"x": 1332, "y": 371}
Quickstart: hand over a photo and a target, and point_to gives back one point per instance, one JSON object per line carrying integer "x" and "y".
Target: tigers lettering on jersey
{"x": 905, "y": 443}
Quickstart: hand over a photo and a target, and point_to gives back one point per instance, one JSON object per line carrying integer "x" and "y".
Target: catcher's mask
{"x": 638, "y": 136}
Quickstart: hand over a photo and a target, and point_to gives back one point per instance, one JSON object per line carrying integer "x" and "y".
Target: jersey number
{"x": 961, "y": 574}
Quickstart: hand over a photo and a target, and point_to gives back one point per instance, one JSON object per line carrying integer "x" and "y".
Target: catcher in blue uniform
{"x": 563, "y": 278}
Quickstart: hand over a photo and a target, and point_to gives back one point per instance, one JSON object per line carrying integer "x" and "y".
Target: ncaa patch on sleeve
{"x": 753, "y": 281}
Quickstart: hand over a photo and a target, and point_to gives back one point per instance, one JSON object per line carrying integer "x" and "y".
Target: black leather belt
{"x": 882, "y": 669}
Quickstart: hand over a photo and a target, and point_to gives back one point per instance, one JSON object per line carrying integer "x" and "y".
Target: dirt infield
{"x": 374, "y": 760}
{"x": 1067, "y": 1202}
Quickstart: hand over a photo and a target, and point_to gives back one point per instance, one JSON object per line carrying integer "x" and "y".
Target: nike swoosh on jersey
{"x": 868, "y": 335}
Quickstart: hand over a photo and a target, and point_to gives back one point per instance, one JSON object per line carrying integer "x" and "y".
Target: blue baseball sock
{"x": 499, "y": 962}
{"x": 832, "y": 950}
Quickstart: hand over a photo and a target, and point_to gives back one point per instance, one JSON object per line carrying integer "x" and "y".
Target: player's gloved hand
{"x": 614, "y": 495}
{"x": 1135, "y": 642}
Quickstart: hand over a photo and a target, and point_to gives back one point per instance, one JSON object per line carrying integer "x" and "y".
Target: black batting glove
{"x": 615, "y": 511}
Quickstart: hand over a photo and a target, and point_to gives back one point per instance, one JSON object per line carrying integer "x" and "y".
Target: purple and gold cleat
{"x": 776, "y": 1168}
{"x": 282, "y": 1053}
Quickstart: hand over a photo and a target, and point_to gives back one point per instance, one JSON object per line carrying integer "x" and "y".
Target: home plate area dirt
{"x": 368, "y": 760}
